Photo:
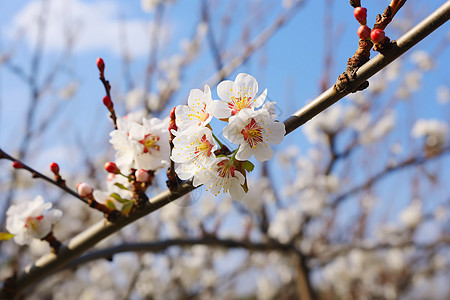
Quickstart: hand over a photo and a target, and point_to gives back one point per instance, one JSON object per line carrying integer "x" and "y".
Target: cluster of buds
{"x": 364, "y": 32}
{"x": 107, "y": 99}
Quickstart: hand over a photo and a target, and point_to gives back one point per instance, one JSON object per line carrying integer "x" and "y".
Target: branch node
{"x": 54, "y": 243}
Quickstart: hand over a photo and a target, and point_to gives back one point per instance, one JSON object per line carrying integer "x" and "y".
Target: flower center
{"x": 225, "y": 168}
{"x": 204, "y": 147}
{"x": 240, "y": 103}
{"x": 252, "y": 133}
{"x": 200, "y": 114}
{"x": 31, "y": 221}
{"x": 149, "y": 143}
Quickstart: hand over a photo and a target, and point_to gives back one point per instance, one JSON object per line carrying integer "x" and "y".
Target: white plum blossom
{"x": 379, "y": 129}
{"x": 31, "y": 220}
{"x": 197, "y": 112}
{"x": 286, "y": 224}
{"x": 423, "y": 60}
{"x": 141, "y": 146}
{"x": 193, "y": 150}
{"x": 329, "y": 121}
{"x": 434, "y": 131}
{"x": 222, "y": 174}
{"x": 135, "y": 97}
{"x": 150, "y": 5}
{"x": 254, "y": 131}
{"x": 443, "y": 94}
{"x": 237, "y": 95}
{"x": 411, "y": 216}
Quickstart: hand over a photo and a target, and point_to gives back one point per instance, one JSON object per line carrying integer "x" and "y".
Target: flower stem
{"x": 234, "y": 154}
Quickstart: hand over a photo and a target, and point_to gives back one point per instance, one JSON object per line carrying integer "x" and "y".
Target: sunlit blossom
{"x": 237, "y": 95}
{"x": 31, "y": 220}
{"x": 193, "y": 150}
{"x": 222, "y": 175}
{"x": 197, "y": 112}
{"x": 254, "y": 131}
{"x": 141, "y": 146}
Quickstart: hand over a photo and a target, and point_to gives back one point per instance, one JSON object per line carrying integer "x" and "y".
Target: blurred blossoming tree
{"x": 352, "y": 206}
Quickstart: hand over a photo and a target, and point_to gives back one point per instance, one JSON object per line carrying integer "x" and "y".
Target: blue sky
{"x": 289, "y": 65}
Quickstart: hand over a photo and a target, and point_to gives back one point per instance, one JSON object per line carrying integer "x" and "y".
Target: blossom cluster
{"x": 251, "y": 126}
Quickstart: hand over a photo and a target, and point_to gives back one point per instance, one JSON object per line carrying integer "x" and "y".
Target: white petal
{"x": 226, "y": 89}
{"x": 258, "y": 101}
{"x": 245, "y": 152}
{"x": 219, "y": 109}
{"x": 247, "y": 84}
{"x": 277, "y": 133}
{"x": 262, "y": 152}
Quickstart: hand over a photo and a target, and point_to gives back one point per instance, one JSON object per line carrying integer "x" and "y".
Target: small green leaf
{"x": 4, "y": 236}
{"x": 118, "y": 198}
{"x": 121, "y": 186}
{"x": 245, "y": 186}
{"x": 127, "y": 207}
{"x": 248, "y": 166}
{"x": 110, "y": 204}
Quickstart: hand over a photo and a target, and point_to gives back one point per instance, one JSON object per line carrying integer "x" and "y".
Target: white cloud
{"x": 96, "y": 24}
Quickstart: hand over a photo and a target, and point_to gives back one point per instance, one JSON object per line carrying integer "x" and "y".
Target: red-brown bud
{"x": 108, "y": 103}
{"x": 377, "y": 35}
{"x": 363, "y": 32}
{"x": 54, "y": 168}
{"x": 172, "y": 123}
{"x": 172, "y": 113}
{"x": 101, "y": 65}
{"x": 17, "y": 165}
{"x": 360, "y": 14}
{"x": 112, "y": 168}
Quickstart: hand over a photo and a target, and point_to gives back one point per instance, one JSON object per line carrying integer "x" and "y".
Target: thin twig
{"x": 36, "y": 174}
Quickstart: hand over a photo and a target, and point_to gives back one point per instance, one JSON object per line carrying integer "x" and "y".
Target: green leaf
{"x": 118, "y": 198}
{"x": 4, "y": 236}
{"x": 110, "y": 204}
{"x": 245, "y": 186}
{"x": 126, "y": 208}
{"x": 248, "y": 166}
{"x": 121, "y": 186}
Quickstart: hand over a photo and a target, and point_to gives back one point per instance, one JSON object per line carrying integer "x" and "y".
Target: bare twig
{"x": 36, "y": 174}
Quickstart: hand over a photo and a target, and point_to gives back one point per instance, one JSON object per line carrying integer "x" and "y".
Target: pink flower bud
{"x": 84, "y": 189}
{"x": 17, "y": 165}
{"x": 142, "y": 175}
{"x": 100, "y": 65}
{"x": 108, "y": 103}
{"x": 112, "y": 168}
{"x": 360, "y": 14}
{"x": 54, "y": 168}
{"x": 377, "y": 35}
{"x": 364, "y": 32}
